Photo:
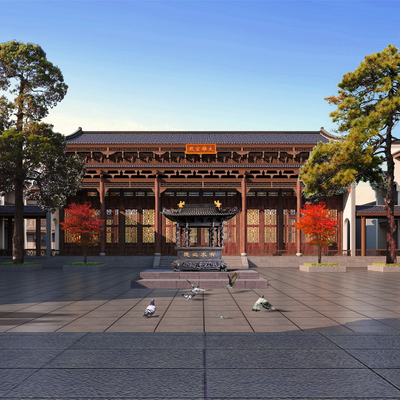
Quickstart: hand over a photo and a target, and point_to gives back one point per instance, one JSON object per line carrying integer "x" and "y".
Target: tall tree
{"x": 32, "y": 159}
{"x": 318, "y": 226}
{"x": 368, "y": 109}
{"x": 83, "y": 222}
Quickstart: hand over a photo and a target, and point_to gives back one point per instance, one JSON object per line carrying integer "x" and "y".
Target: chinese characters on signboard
{"x": 201, "y": 148}
{"x": 203, "y": 254}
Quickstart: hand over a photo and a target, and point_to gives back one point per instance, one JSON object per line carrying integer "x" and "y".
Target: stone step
{"x": 193, "y": 275}
{"x": 259, "y": 283}
{"x": 167, "y": 279}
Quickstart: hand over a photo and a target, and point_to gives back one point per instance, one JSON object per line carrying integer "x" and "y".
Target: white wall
{"x": 349, "y": 217}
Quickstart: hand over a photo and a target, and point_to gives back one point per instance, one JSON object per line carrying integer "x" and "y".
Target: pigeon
{"x": 264, "y": 303}
{"x": 195, "y": 289}
{"x": 222, "y": 316}
{"x": 150, "y": 310}
{"x": 188, "y": 296}
{"x": 232, "y": 280}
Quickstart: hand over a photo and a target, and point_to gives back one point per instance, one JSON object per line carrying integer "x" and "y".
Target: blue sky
{"x": 200, "y": 65}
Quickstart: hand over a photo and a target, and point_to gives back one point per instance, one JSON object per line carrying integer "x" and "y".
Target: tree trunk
{"x": 84, "y": 254}
{"x": 18, "y": 236}
{"x": 389, "y": 202}
{"x": 319, "y": 254}
{"x": 391, "y": 257}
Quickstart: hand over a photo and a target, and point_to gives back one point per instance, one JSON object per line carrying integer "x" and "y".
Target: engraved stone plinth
{"x": 199, "y": 258}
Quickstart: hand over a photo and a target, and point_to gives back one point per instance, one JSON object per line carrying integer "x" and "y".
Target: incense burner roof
{"x": 197, "y": 212}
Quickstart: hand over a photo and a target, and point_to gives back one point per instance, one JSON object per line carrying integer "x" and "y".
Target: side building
{"x": 132, "y": 176}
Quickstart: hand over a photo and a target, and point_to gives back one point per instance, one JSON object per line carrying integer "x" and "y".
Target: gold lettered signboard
{"x": 201, "y": 148}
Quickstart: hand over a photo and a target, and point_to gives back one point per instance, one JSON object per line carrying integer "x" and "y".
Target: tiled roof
{"x": 27, "y": 210}
{"x": 181, "y": 137}
{"x": 375, "y": 209}
{"x": 199, "y": 210}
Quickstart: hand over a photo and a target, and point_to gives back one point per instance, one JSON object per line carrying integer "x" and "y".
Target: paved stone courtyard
{"x": 83, "y": 336}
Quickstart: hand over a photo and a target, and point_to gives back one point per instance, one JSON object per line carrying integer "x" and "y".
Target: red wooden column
{"x": 363, "y": 236}
{"x": 103, "y": 216}
{"x": 157, "y": 215}
{"x": 243, "y": 218}
{"x": 299, "y": 205}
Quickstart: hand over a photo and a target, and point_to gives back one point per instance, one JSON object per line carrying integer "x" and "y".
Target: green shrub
{"x": 88, "y": 263}
{"x": 322, "y": 264}
{"x": 387, "y": 265}
{"x": 10, "y": 263}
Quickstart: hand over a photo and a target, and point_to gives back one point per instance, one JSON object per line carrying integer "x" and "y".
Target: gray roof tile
{"x": 27, "y": 210}
{"x": 173, "y": 137}
{"x": 374, "y": 209}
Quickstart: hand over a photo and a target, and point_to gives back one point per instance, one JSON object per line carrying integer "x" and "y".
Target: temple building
{"x": 132, "y": 176}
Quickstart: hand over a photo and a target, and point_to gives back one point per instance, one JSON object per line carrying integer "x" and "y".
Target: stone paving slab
{"x": 186, "y": 351}
{"x": 106, "y": 383}
{"x": 289, "y": 383}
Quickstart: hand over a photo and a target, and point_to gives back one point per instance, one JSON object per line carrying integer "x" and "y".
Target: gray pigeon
{"x": 222, "y": 316}
{"x": 150, "y": 310}
{"x": 264, "y": 303}
{"x": 232, "y": 280}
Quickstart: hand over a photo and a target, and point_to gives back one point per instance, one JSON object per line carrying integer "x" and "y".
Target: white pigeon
{"x": 188, "y": 296}
{"x": 264, "y": 303}
{"x": 150, "y": 310}
{"x": 195, "y": 289}
{"x": 222, "y": 316}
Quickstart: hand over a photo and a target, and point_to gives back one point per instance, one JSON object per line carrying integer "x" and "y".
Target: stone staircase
{"x": 167, "y": 279}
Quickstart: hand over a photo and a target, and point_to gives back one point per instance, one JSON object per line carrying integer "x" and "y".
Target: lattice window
{"x": 253, "y": 217}
{"x": 68, "y": 236}
{"x": 112, "y": 216}
{"x": 253, "y": 232}
{"x": 206, "y": 235}
{"x": 131, "y": 221}
{"x": 148, "y": 217}
{"x": 170, "y": 230}
{"x": 333, "y": 214}
{"x": 131, "y": 234}
{"x": 112, "y": 225}
{"x": 170, "y": 234}
{"x": 131, "y": 217}
{"x": 270, "y": 226}
{"x": 229, "y": 230}
{"x": 193, "y": 235}
{"x": 253, "y": 235}
{"x": 289, "y": 229}
{"x": 148, "y": 234}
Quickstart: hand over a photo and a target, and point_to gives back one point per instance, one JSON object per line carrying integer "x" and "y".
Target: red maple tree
{"x": 84, "y": 224}
{"x": 318, "y": 226}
